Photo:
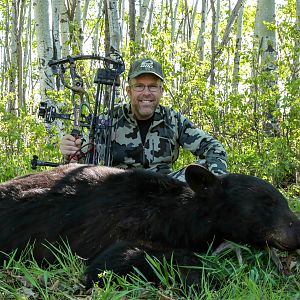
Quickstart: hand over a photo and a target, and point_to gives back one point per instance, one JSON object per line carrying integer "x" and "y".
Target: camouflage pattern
{"x": 168, "y": 132}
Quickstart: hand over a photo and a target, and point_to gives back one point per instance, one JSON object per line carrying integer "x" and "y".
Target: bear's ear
{"x": 199, "y": 178}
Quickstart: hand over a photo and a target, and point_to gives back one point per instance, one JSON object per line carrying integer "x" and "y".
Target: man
{"x": 148, "y": 135}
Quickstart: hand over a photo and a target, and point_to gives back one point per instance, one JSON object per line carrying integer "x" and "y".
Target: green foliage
{"x": 21, "y": 137}
{"x": 258, "y": 125}
{"x": 214, "y": 276}
{"x": 23, "y": 278}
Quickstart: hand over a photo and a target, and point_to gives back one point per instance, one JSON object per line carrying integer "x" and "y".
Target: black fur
{"x": 112, "y": 216}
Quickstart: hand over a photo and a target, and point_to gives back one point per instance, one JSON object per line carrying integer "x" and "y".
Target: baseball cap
{"x": 145, "y": 66}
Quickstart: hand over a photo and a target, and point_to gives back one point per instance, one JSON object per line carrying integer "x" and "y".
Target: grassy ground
{"x": 219, "y": 277}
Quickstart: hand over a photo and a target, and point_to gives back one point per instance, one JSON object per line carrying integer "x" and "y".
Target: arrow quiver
{"x": 100, "y": 118}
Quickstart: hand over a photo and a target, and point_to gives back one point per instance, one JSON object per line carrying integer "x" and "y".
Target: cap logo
{"x": 148, "y": 64}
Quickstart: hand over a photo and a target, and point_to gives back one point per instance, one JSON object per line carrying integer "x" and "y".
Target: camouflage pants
{"x": 179, "y": 174}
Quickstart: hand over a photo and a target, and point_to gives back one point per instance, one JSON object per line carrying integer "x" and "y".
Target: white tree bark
{"x": 296, "y": 75}
{"x": 218, "y": 10}
{"x": 85, "y": 11}
{"x": 13, "y": 55}
{"x": 297, "y": 43}
{"x": 195, "y": 8}
{"x": 265, "y": 12}
{"x": 131, "y": 25}
{"x": 201, "y": 39}
{"x": 238, "y": 47}
{"x": 114, "y": 24}
{"x": 230, "y": 22}
{"x": 173, "y": 19}
{"x": 149, "y": 25}
{"x": 213, "y": 42}
{"x": 27, "y": 54}
{"x": 44, "y": 45}
{"x": 64, "y": 28}
{"x": 95, "y": 39}
{"x": 141, "y": 21}
{"x": 56, "y": 29}
{"x": 17, "y": 78}
{"x": 265, "y": 46}
{"x": 78, "y": 29}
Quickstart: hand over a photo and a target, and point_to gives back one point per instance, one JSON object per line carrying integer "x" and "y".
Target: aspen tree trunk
{"x": 78, "y": 29}
{"x": 230, "y": 23}
{"x": 64, "y": 28}
{"x": 295, "y": 76}
{"x": 96, "y": 35}
{"x": 107, "y": 42}
{"x": 27, "y": 52}
{"x": 173, "y": 24}
{"x": 56, "y": 29}
{"x": 18, "y": 12}
{"x": 217, "y": 20}
{"x": 266, "y": 38}
{"x": 217, "y": 50}
{"x": 44, "y": 45}
{"x": 238, "y": 47}
{"x": 141, "y": 21}
{"x": 161, "y": 24}
{"x": 75, "y": 25}
{"x": 149, "y": 26}
{"x": 186, "y": 24}
{"x": 265, "y": 45}
{"x": 5, "y": 56}
{"x": 295, "y": 73}
{"x": 21, "y": 18}
{"x": 121, "y": 9}
{"x": 194, "y": 12}
{"x": 85, "y": 11}
{"x": 213, "y": 46}
{"x": 132, "y": 14}
{"x": 114, "y": 24}
{"x": 12, "y": 104}
{"x": 201, "y": 39}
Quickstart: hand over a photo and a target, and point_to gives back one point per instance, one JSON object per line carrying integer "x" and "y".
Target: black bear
{"x": 112, "y": 216}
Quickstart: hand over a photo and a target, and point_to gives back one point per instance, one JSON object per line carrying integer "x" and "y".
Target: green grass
{"x": 219, "y": 277}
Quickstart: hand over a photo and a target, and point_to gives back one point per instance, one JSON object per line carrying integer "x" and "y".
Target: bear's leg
{"x": 113, "y": 258}
{"x": 123, "y": 256}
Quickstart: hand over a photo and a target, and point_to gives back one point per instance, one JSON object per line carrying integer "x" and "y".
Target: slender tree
{"x": 113, "y": 24}
{"x": 85, "y": 13}
{"x": 238, "y": 47}
{"x": 297, "y": 42}
{"x": 150, "y": 20}
{"x": 64, "y": 22}
{"x": 44, "y": 45}
{"x": 12, "y": 56}
{"x": 265, "y": 33}
{"x": 173, "y": 11}
{"x": 18, "y": 10}
{"x": 56, "y": 29}
{"x": 265, "y": 47}
{"x": 201, "y": 38}
{"x": 141, "y": 21}
{"x": 78, "y": 28}
{"x": 213, "y": 47}
{"x": 96, "y": 34}
{"x": 132, "y": 16}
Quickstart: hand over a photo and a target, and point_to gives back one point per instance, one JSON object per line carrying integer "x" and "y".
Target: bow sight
{"x": 99, "y": 119}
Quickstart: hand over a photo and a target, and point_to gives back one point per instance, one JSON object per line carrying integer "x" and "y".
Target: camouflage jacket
{"x": 169, "y": 130}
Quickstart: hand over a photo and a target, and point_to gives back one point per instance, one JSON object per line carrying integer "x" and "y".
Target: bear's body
{"x": 112, "y": 216}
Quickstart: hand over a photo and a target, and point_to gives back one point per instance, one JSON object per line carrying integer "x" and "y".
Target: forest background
{"x": 232, "y": 67}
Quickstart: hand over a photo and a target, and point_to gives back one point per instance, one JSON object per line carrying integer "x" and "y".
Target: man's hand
{"x": 69, "y": 145}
